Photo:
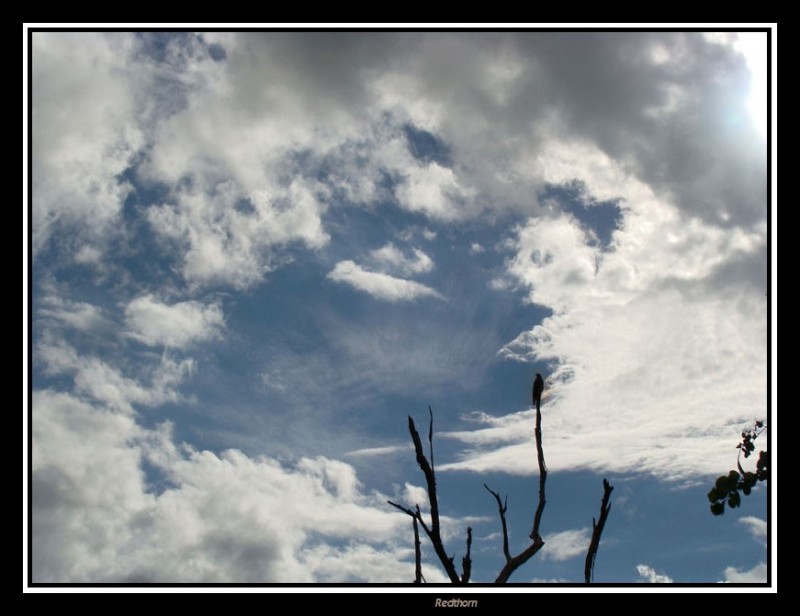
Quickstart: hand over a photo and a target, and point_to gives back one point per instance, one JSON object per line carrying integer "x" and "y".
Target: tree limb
{"x": 519, "y": 560}
{"x": 434, "y": 534}
{"x": 597, "y": 531}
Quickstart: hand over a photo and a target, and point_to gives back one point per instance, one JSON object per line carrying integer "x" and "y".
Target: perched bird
{"x": 538, "y": 387}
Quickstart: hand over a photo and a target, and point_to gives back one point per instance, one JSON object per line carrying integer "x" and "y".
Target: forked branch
{"x": 434, "y": 532}
{"x": 513, "y": 563}
{"x": 502, "y": 507}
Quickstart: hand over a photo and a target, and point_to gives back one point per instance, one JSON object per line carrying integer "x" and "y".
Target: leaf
{"x": 721, "y": 485}
{"x": 713, "y": 495}
{"x": 718, "y": 508}
{"x": 734, "y": 500}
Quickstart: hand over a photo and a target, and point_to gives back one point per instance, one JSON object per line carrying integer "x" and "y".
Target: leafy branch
{"x": 727, "y": 487}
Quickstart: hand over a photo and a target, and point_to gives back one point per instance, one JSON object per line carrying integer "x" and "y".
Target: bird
{"x": 538, "y": 387}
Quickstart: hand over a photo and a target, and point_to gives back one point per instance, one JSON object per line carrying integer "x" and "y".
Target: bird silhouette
{"x": 538, "y": 387}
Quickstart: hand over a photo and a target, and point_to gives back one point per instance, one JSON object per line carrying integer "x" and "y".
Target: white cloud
{"x": 476, "y": 249}
{"x": 84, "y": 135}
{"x": 757, "y": 574}
{"x": 651, "y": 576}
{"x": 177, "y": 325}
{"x": 390, "y": 255}
{"x": 415, "y": 495}
{"x": 756, "y": 526}
{"x": 566, "y": 544}
{"x": 379, "y": 285}
{"x": 218, "y": 518}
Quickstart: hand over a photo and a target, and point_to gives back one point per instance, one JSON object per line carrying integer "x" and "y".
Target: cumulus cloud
{"x": 379, "y": 285}
{"x": 251, "y": 160}
{"x": 230, "y": 237}
{"x": 651, "y": 576}
{"x": 757, "y": 574}
{"x": 84, "y": 136}
{"x": 566, "y": 544}
{"x": 223, "y": 518}
{"x": 177, "y": 325}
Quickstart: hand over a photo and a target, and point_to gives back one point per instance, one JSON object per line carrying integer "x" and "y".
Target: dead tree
{"x": 512, "y": 562}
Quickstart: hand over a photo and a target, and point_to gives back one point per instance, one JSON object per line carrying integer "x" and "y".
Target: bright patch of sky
{"x": 254, "y": 254}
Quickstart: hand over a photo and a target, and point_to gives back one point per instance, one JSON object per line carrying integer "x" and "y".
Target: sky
{"x": 254, "y": 254}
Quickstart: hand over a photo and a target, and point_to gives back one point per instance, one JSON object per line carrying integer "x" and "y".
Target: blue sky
{"x": 254, "y": 254}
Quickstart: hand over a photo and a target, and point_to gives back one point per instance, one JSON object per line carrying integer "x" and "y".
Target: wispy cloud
{"x": 566, "y": 544}
{"x": 378, "y": 451}
{"x": 379, "y": 285}
{"x": 78, "y": 315}
{"x": 651, "y": 576}
{"x": 392, "y": 256}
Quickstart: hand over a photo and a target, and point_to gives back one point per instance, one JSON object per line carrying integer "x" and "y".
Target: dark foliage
{"x": 727, "y": 488}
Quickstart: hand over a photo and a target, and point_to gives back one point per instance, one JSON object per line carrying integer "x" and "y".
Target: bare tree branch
{"x": 502, "y": 508}
{"x": 466, "y": 562}
{"x": 512, "y": 562}
{"x": 434, "y": 534}
{"x": 597, "y": 531}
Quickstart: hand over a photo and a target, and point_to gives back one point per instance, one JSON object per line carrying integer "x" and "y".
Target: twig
{"x": 466, "y": 562}
{"x": 417, "y": 555}
{"x": 502, "y": 508}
